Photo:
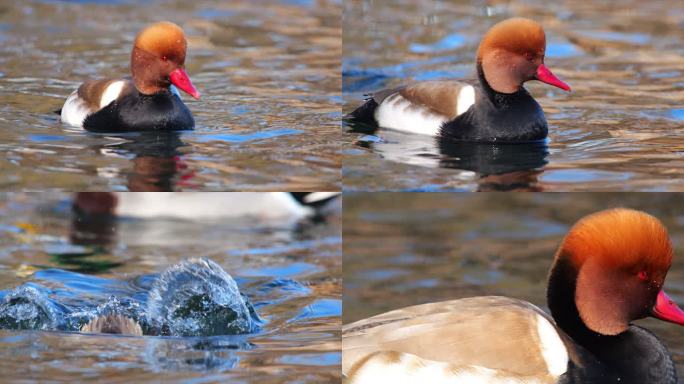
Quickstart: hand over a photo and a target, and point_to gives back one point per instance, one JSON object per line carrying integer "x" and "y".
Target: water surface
{"x": 291, "y": 274}
{"x": 619, "y": 129}
{"x": 268, "y": 119}
{"x": 402, "y": 249}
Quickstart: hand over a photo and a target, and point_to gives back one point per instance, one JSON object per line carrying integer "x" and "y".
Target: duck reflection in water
{"x": 158, "y": 164}
{"x": 499, "y": 166}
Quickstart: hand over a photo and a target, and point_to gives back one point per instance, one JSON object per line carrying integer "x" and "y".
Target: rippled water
{"x": 268, "y": 119}
{"x": 290, "y": 273}
{"x": 619, "y": 129}
{"x": 402, "y": 249}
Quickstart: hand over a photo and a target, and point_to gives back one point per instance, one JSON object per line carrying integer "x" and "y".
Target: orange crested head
{"x": 624, "y": 239}
{"x": 518, "y": 35}
{"x": 163, "y": 39}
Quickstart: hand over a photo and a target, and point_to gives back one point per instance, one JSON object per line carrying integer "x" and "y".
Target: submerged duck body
{"x": 608, "y": 272}
{"x": 495, "y": 107}
{"x": 149, "y": 100}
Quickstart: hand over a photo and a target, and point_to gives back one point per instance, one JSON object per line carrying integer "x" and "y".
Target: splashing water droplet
{"x": 27, "y": 307}
{"x": 198, "y": 298}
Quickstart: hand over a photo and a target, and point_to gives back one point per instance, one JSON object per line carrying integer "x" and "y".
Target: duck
{"x": 149, "y": 100}
{"x": 114, "y": 324}
{"x": 609, "y": 270}
{"x": 495, "y": 107}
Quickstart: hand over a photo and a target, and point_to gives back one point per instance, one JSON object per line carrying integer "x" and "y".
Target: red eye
{"x": 165, "y": 58}
{"x": 643, "y": 276}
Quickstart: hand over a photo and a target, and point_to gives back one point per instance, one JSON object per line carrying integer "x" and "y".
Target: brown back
{"x": 91, "y": 91}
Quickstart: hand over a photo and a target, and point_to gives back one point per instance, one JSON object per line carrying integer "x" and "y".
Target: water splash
{"x": 198, "y": 298}
{"x": 27, "y": 307}
{"x": 192, "y": 298}
{"x": 114, "y": 305}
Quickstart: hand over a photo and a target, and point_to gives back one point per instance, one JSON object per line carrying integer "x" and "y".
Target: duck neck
{"x": 499, "y": 99}
{"x": 498, "y": 117}
{"x": 633, "y": 356}
{"x": 147, "y": 75}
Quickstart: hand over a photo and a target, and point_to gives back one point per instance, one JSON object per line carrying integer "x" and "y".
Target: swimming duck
{"x": 148, "y": 101}
{"x": 608, "y": 271}
{"x": 494, "y": 108}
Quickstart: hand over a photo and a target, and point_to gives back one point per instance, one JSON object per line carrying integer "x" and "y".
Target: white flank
{"x": 278, "y": 206}
{"x": 396, "y": 112}
{"x": 75, "y": 110}
{"x": 466, "y": 98}
{"x": 111, "y": 93}
{"x": 552, "y": 348}
{"x": 411, "y": 369}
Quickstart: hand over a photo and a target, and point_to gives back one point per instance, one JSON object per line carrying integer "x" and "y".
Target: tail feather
{"x": 365, "y": 113}
{"x": 314, "y": 199}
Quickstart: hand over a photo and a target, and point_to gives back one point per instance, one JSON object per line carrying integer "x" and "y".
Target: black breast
{"x": 633, "y": 357}
{"x": 637, "y": 356}
{"x": 497, "y": 117}
{"x": 162, "y": 111}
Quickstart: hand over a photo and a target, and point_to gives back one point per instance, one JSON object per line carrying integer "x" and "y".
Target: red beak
{"x": 546, "y": 76}
{"x": 181, "y": 80}
{"x": 666, "y": 309}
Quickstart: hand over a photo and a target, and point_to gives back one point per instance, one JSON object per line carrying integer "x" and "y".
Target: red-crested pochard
{"x": 609, "y": 270}
{"x": 494, "y": 108}
{"x": 148, "y": 101}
